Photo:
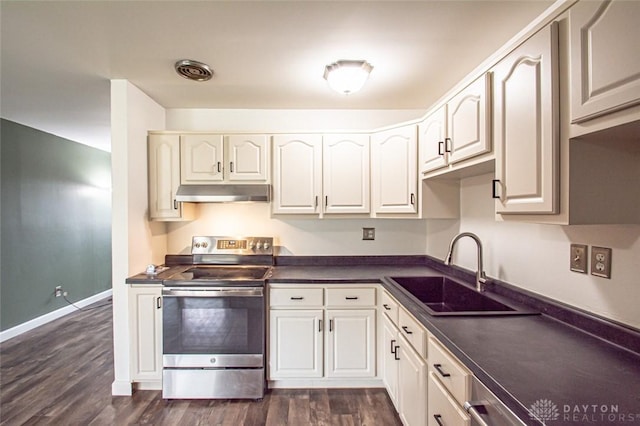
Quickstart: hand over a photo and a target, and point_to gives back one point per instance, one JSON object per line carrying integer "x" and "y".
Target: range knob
{"x": 252, "y": 244}
{"x": 205, "y": 244}
{"x": 259, "y": 245}
{"x": 266, "y": 245}
{"x": 197, "y": 245}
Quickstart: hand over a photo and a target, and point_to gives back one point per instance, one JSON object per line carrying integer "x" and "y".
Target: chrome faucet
{"x": 481, "y": 278}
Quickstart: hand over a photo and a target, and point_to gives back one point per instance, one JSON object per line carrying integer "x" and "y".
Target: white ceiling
{"x": 58, "y": 56}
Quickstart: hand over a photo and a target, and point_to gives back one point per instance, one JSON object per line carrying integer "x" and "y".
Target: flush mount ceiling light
{"x": 347, "y": 76}
{"x": 193, "y": 70}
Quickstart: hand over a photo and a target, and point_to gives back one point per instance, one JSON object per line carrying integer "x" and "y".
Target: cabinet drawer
{"x": 451, "y": 373}
{"x": 413, "y": 331}
{"x": 295, "y": 297}
{"x": 442, "y": 408}
{"x": 351, "y": 297}
{"x": 390, "y": 307}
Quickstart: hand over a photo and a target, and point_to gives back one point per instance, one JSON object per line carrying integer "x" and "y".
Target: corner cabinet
{"x": 213, "y": 158}
{"x": 321, "y": 332}
{"x": 164, "y": 178}
{"x": 466, "y": 118}
{"x": 394, "y": 170}
{"x": 527, "y": 127}
{"x": 605, "y": 64}
{"x": 145, "y": 314}
{"x": 297, "y": 174}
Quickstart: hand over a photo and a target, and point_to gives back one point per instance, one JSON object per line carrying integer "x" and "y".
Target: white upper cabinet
{"x": 605, "y": 63}
{"x": 459, "y": 130}
{"x": 212, "y": 158}
{"x": 164, "y": 179}
{"x": 297, "y": 180}
{"x": 346, "y": 173}
{"x": 248, "y": 157}
{"x": 527, "y": 126}
{"x": 432, "y": 133}
{"x": 467, "y": 122}
{"x": 394, "y": 170}
{"x": 202, "y": 158}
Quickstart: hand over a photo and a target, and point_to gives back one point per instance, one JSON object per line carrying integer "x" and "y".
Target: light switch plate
{"x": 601, "y": 262}
{"x": 578, "y": 262}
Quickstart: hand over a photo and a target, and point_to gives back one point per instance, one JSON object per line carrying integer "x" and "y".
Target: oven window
{"x": 216, "y": 325}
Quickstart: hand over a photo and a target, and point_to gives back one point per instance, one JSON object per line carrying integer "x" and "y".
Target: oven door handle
{"x": 213, "y": 292}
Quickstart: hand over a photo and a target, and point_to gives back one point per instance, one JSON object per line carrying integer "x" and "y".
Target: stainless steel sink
{"x": 443, "y": 296}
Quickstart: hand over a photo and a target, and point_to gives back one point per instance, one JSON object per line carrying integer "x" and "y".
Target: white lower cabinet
{"x": 145, "y": 313}
{"x": 296, "y": 344}
{"x": 412, "y": 385}
{"x": 404, "y": 362}
{"x": 389, "y": 354}
{"x": 443, "y": 409}
{"x": 309, "y": 339}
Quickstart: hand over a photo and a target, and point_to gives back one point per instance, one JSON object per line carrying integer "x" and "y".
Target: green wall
{"x": 56, "y": 222}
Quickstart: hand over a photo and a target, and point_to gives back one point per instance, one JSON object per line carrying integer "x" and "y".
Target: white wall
{"x": 292, "y": 121}
{"x": 536, "y": 257}
{"x": 301, "y": 236}
{"x": 134, "y": 240}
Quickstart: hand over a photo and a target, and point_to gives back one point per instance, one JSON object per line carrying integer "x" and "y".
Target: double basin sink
{"x": 442, "y": 296}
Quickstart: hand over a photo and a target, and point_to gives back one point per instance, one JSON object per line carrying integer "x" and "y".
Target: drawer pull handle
{"x": 396, "y": 355}
{"x": 330, "y": 325}
{"x": 351, "y": 297}
{"x": 393, "y": 345}
{"x": 404, "y": 328}
{"x": 158, "y": 302}
{"x": 439, "y": 368}
{"x": 297, "y": 298}
{"x": 438, "y": 418}
{"x": 319, "y": 326}
{"x": 386, "y": 307}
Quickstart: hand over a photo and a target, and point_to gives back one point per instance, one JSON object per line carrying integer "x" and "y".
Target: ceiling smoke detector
{"x": 193, "y": 70}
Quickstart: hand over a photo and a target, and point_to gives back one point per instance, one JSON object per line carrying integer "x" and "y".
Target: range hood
{"x": 223, "y": 193}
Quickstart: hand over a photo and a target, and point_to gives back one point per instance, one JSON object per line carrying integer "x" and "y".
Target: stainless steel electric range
{"x": 213, "y": 320}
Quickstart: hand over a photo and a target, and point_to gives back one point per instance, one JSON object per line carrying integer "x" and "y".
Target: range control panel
{"x": 232, "y": 245}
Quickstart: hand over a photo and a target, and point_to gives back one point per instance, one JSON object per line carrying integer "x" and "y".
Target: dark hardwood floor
{"x": 61, "y": 374}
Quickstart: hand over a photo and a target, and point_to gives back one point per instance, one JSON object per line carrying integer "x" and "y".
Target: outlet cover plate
{"x": 601, "y": 262}
{"x": 368, "y": 233}
{"x": 579, "y": 258}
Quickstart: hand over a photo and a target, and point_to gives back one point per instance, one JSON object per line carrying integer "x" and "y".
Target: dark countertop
{"x": 522, "y": 359}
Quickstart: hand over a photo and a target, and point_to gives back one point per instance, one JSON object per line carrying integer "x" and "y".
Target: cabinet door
{"x": 431, "y": 138}
{"x": 526, "y": 126}
{"x": 412, "y": 386}
{"x": 145, "y": 312}
{"x": 201, "y": 159}
{"x": 351, "y": 343}
{"x": 164, "y": 177}
{"x": 467, "y": 128}
{"x": 390, "y": 359}
{"x": 605, "y": 64}
{"x": 295, "y": 344}
{"x": 394, "y": 173}
{"x": 346, "y": 173}
{"x": 297, "y": 174}
{"x": 248, "y": 158}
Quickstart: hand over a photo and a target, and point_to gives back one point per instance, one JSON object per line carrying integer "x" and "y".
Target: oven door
{"x": 213, "y": 327}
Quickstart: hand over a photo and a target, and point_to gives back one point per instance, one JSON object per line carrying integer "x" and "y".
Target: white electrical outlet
{"x": 368, "y": 233}
{"x": 58, "y": 291}
{"x": 601, "y": 262}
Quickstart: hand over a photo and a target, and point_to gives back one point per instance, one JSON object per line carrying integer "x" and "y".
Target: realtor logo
{"x": 544, "y": 410}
